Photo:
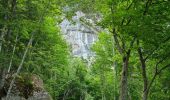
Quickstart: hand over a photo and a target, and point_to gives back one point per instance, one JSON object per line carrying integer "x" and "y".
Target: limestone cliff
{"x": 79, "y": 35}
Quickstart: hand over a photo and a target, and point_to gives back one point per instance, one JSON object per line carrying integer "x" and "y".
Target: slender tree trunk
{"x": 114, "y": 79}
{"x": 2, "y": 80}
{"x": 102, "y": 79}
{"x": 5, "y": 28}
{"x": 145, "y": 81}
{"x": 124, "y": 76}
{"x": 147, "y": 88}
{"x": 144, "y": 75}
{"x": 3, "y": 33}
{"x": 145, "y": 95}
{"x": 20, "y": 66}
{"x": 13, "y": 7}
{"x": 1, "y": 40}
{"x": 146, "y": 84}
{"x": 10, "y": 64}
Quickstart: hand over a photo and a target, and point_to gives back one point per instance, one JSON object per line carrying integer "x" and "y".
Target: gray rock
{"x": 79, "y": 36}
{"x": 13, "y": 98}
{"x": 37, "y": 92}
{"x": 40, "y": 96}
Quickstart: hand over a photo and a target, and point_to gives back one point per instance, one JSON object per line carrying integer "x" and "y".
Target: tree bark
{"x": 102, "y": 79}
{"x": 13, "y": 51}
{"x": 144, "y": 76}
{"x": 154, "y": 77}
{"x": 20, "y": 66}
{"x": 3, "y": 33}
{"x": 124, "y": 76}
{"x": 2, "y": 78}
{"x": 146, "y": 84}
{"x": 1, "y": 40}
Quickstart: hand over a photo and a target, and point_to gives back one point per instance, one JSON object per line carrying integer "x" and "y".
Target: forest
{"x": 131, "y": 56}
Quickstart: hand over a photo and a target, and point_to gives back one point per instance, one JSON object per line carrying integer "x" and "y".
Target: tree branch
{"x": 155, "y": 49}
{"x": 120, "y": 49}
{"x": 148, "y": 3}
{"x": 157, "y": 73}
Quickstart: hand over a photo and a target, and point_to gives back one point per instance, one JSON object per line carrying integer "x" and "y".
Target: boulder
{"x": 26, "y": 87}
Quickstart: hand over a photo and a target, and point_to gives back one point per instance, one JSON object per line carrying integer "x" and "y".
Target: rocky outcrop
{"x": 26, "y": 87}
{"x": 79, "y": 35}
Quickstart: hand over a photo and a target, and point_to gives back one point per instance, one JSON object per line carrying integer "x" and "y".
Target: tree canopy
{"x": 132, "y": 52}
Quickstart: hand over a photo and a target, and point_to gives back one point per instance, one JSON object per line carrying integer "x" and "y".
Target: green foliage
{"x": 137, "y": 25}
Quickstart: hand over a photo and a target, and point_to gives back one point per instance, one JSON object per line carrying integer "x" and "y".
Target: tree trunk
{"x": 20, "y": 66}
{"x": 114, "y": 80}
{"x": 102, "y": 79}
{"x": 145, "y": 84}
{"x": 1, "y": 39}
{"x": 13, "y": 52}
{"x": 3, "y": 33}
{"x": 124, "y": 76}
{"x": 145, "y": 79}
{"x": 2, "y": 78}
{"x": 145, "y": 95}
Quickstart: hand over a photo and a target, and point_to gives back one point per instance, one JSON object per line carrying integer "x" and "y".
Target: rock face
{"x": 39, "y": 93}
{"x": 79, "y": 36}
{"x": 26, "y": 87}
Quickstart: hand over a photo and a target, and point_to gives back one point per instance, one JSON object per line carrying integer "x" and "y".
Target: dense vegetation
{"x": 132, "y": 59}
